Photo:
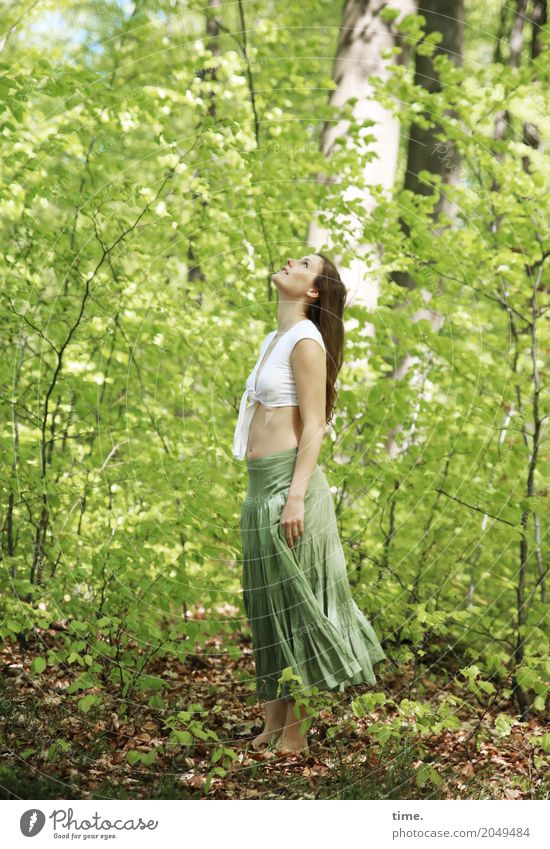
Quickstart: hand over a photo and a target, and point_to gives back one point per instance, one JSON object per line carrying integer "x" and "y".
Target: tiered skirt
{"x": 298, "y": 600}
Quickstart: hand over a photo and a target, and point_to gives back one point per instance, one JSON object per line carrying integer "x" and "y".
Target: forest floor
{"x": 52, "y": 749}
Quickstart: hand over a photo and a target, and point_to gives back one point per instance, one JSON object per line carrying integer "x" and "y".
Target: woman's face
{"x": 297, "y": 276}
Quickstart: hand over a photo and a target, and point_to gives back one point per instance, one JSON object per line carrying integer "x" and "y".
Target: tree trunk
{"x": 363, "y": 38}
{"x": 516, "y": 47}
{"x": 539, "y": 17}
{"x": 195, "y": 272}
{"x": 426, "y": 152}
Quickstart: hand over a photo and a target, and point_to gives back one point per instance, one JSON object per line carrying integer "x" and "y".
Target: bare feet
{"x": 294, "y": 747}
{"x": 265, "y": 738}
{"x": 275, "y": 718}
{"x": 291, "y": 740}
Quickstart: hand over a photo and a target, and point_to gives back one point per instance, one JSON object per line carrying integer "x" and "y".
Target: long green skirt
{"x": 298, "y": 600}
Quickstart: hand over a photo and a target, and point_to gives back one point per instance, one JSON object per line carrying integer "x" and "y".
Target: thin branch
{"x": 32, "y": 326}
{"x": 477, "y": 509}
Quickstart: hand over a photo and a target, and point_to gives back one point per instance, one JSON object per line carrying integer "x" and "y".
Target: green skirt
{"x": 298, "y": 600}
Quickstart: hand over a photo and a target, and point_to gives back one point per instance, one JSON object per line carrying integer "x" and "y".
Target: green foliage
{"x": 133, "y": 756}
{"x": 413, "y": 718}
{"x": 188, "y": 729}
{"x": 87, "y": 702}
{"x": 58, "y": 750}
{"x": 38, "y": 665}
{"x": 143, "y": 212}
{"x": 425, "y": 773}
{"x": 310, "y": 699}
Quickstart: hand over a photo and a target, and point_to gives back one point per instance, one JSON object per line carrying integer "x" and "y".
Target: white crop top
{"x": 275, "y": 386}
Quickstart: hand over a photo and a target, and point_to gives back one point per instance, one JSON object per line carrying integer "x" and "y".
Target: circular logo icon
{"x": 32, "y": 822}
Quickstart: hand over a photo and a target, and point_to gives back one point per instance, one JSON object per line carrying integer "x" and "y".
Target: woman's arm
{"x": 310, "y": 373}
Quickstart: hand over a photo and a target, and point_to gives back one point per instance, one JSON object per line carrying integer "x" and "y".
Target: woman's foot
{"x": 288, "y": 746}
{"x": 275, "y": 717}
{"x": 266, "y": 738}
{"x": 291, "y": 741}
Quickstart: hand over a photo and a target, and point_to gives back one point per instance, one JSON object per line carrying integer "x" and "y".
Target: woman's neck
{"x": 289, "y": 313}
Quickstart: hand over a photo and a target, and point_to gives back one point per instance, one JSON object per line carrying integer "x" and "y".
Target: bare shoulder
{"x": 309, "y": 340}
{"x": 308, "y": 353}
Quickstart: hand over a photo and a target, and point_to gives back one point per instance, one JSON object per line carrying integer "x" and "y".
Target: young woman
{"x": 295, "y": 585}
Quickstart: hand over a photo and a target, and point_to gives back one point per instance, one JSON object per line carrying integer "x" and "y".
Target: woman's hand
{"x": 292, "y": 518}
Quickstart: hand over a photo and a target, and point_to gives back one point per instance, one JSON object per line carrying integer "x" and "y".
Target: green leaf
{"x": 504, "y": 724}
{"x": 88, "y": 702}
{"x": 219, "y": 770}
{"x": 149, "y": 758}
{"x": 217, "y": 754}
{"x": 38, "y": 665}
{"x": 388, "y": 14}
{"x": 183, "y": 737}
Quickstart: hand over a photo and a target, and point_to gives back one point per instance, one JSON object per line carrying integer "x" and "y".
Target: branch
{"x": 477, "y": 509}
{"x": 31, "y": 325}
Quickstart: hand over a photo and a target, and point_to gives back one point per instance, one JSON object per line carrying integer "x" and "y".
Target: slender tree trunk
{"x": 519, "y": 653}
{"x": 538, "y": 17}
{"x": 425, "y": 151}
{"x": 502, "y": 117}
{"x": 195, "y": 272}
{"x": 364, "y": 36}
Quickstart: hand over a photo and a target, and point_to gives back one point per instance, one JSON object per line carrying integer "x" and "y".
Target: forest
{"x": 160, "y": 160}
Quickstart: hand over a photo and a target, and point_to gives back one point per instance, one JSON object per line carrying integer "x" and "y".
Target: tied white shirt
{"x": 275, "y": 386}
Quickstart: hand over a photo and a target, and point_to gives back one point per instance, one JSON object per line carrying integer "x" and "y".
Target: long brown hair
{"x": 326, "y": 312}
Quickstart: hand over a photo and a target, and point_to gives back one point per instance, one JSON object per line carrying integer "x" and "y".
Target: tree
{"x": 368, "y": 42}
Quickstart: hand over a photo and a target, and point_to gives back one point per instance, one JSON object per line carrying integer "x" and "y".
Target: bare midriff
{"x": 273, "y": 429}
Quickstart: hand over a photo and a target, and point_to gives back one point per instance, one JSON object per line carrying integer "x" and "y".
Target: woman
{"x": 295, "y": 585}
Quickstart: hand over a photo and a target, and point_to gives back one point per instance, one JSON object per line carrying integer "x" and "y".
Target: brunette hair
{"x": 326, "y": 312}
